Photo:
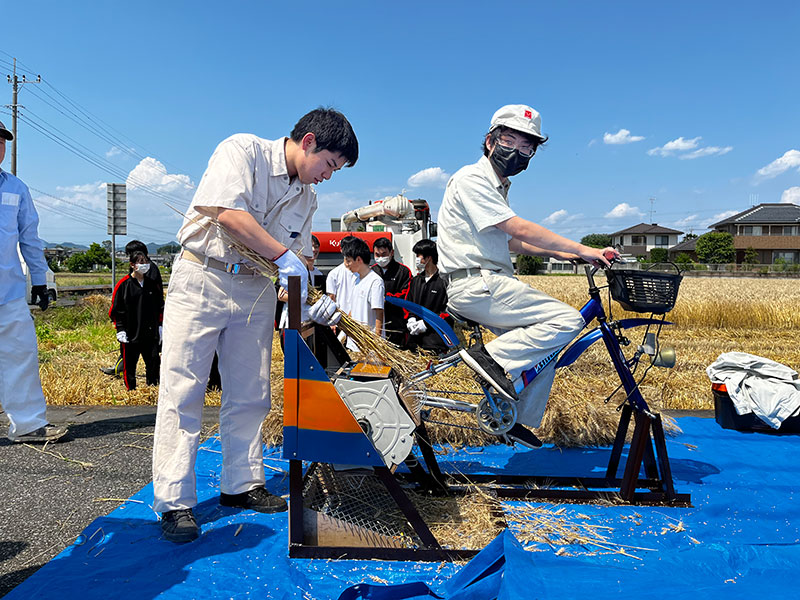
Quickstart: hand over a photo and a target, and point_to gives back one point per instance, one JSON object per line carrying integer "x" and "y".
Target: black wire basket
{"x": 644, "y": 291}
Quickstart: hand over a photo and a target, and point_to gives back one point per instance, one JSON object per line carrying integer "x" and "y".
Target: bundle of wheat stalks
{"x": 375, "y": 349}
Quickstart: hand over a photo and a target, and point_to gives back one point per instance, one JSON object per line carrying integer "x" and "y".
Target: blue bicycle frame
{"x": 592, "y": 310}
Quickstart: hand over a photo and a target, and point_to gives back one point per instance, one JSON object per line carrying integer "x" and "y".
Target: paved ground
{"x": 51, "y": 493}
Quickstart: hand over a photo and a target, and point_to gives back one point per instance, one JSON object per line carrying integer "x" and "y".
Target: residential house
{"x": 640, "y": 239}
{"x": 685, "y": 247}
{"x": 772, "y": 230}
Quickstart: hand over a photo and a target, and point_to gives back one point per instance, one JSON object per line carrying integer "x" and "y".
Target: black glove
{"x": 40, "y": 292}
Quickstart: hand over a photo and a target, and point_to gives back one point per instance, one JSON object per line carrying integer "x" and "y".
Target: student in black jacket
{"x": 428, "y": 290}
{"x": 396, "y": 279}
{"x": 152, "y": 273}
{"x": 137, "y": 309}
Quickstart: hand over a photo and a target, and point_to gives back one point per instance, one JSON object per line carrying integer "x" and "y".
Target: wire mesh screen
{"x": 358, "y": 498}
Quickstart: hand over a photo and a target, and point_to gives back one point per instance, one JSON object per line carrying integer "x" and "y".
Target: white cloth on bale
{"x": 759, "y": 385}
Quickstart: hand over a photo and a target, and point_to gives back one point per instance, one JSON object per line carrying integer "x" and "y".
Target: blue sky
{"x": 707, "y": 92}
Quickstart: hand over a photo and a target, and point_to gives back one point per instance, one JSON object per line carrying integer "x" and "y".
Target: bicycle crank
{"x": 496, "y": 416}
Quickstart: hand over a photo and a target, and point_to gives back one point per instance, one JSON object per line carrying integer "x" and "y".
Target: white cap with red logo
{"x": 519, "y": 117}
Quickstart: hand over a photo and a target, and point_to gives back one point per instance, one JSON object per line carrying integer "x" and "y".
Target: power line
{"x": 95, "y": 213}
{"x": 88, "y": 120}
{"x": 96, "y": 160}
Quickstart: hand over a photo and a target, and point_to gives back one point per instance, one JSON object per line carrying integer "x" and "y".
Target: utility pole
{"x": 15, "y": 85}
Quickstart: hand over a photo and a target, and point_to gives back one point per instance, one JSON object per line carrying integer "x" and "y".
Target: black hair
{"x": 357, "y": 248}
{"x": 427, "y": 248}
{"x": 495, "y": 134}
{"x": 135, "y": 246}
{"x": 314, "y": 240}
{"x": 345, "y": 242}
{"x": 332, "y": 131}
{"x": 135, "y": 256}
{"x": 383, "y": 242}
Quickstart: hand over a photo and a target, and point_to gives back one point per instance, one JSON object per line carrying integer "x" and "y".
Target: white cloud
{"x": 432, "y": 177}
{"x": 688, "y": 149}
{"x": 555, "y": 217}
{"x": 686, "y": 221}
{"x": 152, "y": 175}
{"x": 791, "y": 196}
{"x": 719, "y": 217}
{"x": 623, "y": 136}
{"x": 149, "y": 188}
{"x": 789, "y": 160}
{"x": 677, "y": 145}
{"x": 623, "y": 210}
{"x": 707, "y": 151}
{"x": 88, "y": 195}
{"x": 113, "y": 151}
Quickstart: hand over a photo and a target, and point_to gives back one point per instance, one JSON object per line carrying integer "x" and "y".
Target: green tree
{"x": 98, "y": 255}
{"x": 78, "y": 263}
{"x": 83, "y": 262}
{"x": 171, "y": 248}
{"x": 715, "y": 248}
{"x": 529, "y": 265}
{"x": 658, "y": 255}
{"x": 750, "y": 256}
{"x": 683, "y": 259}
{"x": 689, "y": 236}
{"x": 596, "y": 240}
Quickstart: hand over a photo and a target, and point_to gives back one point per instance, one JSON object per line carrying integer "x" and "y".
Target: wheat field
{"x": 712, "y": 316}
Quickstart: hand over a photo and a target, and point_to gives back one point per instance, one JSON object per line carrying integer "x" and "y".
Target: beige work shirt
{"x": 249, "y": 173}
{"x": 475, "y": 201}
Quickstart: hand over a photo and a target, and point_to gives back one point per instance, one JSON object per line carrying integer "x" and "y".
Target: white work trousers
{"x": 207, "y": 310}
{"x": 530, "y": 325}
{"x": 20, "y": 387}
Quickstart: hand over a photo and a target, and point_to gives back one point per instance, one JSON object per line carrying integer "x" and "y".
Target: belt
{"x": 463, "y": 274}
{"x": 213, "y": 263}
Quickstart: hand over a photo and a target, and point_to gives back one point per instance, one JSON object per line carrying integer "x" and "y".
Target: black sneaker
{"x": 109, "y": 371}
{"x": 257, "y": 499}
{"x": 520, "y": 434}
{"x": 477, "y": 359}
{"x": 179, "y": 526}
{"x": 48, "y": 433}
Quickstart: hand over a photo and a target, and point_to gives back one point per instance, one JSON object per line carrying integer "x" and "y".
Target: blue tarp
{"x": 740, "y": 539}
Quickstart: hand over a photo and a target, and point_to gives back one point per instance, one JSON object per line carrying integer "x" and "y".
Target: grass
{"x": 712, "y": 316}
{"x": 75, "y": 279}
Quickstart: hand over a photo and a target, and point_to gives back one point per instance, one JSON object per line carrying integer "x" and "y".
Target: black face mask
{"x": 508, "y": 161}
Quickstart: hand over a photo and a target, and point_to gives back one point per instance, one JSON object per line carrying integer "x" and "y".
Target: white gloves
{"x": 160, "y": 333}
{"x": 325, "y": 312}
{"x": 416, "y": 326}
{"x": 289, "y": 264}
{"x": 122, "y": 337}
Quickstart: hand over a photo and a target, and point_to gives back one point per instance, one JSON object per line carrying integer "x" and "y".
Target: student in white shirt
{"x": 366, "y": 299}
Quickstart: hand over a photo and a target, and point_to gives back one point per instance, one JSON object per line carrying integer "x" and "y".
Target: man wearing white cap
{"x": 477, "y": 229}
{"x": 21, "y": 394}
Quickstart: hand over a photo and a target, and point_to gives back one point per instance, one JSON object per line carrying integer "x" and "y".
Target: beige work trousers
{"x": 209, "y": 310}
{"x": 530, "y": 325}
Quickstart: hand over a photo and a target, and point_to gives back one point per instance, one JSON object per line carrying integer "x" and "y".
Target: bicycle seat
{"x": 461, "y": 319}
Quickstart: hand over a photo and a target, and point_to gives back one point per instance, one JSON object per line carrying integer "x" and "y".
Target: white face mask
{"x": 420, "y": 265}
{"x": 143, "y": 268}
{"x": 383, "y": 261}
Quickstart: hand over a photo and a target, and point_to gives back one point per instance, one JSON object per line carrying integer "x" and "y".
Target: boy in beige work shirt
{"x": 260, "y": 190}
